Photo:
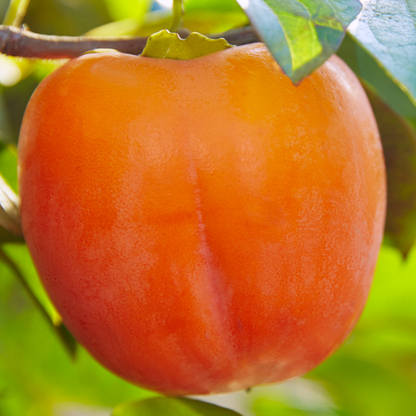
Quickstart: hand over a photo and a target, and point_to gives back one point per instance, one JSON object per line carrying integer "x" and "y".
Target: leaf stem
{"x": 177, "y": 9}
{"x": 16, "y": 12}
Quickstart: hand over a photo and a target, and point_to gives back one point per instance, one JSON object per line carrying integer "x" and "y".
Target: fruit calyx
{"x": 167, "y": 45}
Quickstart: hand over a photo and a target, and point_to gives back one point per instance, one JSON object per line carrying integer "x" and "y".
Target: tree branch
{"x": 23, "y": 43}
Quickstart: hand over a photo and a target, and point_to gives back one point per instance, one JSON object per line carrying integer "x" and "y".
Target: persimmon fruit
{"x": 203, "y": 226}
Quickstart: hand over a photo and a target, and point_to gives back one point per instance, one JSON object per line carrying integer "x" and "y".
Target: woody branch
{"x": 23, "y": 43}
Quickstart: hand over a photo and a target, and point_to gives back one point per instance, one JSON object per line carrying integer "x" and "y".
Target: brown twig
{"x": 26, "y": 44}
{"x": 240, "y": 36}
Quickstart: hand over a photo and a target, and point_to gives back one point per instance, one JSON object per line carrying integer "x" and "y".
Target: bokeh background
{"x": 372, "y": 374}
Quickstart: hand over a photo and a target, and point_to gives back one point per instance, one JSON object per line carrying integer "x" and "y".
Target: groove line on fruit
{"x": 213, "y": 272}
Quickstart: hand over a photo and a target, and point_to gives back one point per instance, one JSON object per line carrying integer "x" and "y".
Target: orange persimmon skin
{"x": 203, "y": 226}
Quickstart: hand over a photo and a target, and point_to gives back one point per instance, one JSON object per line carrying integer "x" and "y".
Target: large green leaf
{"x": 369, "y": 70}
{"x": 301, "y": 34}
{"x": 398, "y": 134}
{"x": 387, "y": 30}
{"x": 171, "y": 406}
{"x": 399, "y": 144}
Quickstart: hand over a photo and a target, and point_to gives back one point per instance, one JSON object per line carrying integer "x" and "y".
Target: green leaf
{"x": 168, "y": 45}
{"x": 364, "y": 388}
{"x": 129, "y": 17}
{"x": 219, "y": 6}
{"x": 123, "y": 9}
{"x": 15, "y": 99}
{"x": 213, "y": 16}
{"x": 171, "y": 406}
{"x": 398, "y": 137}
{"x": 391, "y": 300}
{"x": 16, "y": 257}
{"x": 8, "y": 237}
{"x": 19, "y": 255}
{"x": 202, "y": 21}
{"x": 301, "y": 34}
{"x": 369, "y": 70}
{"x": 126, "y": 27}
{"x": 8, "y": 165}
{"x": 207, "y": 17}
{"x": 399, "y": 144}
{"x": 213, "y": 22}
{"x": 268, "y": 406}
{"x": 6, "y": 135}
{"x": 387, "y": 30}
{"x": 71, "y": 18}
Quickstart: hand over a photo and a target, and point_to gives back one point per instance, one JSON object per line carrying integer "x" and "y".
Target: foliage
{"x": 157, "y": 406}
{"x": 374, "y": 373}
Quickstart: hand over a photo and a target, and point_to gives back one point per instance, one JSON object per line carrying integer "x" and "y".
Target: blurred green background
{"x": 373, "y": 373}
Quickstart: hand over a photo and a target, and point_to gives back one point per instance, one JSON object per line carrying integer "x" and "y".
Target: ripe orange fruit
{"x": 203, "y": 226}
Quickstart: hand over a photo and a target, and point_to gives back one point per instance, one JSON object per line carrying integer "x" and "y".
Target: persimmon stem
{"x": 23, "y": 43}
